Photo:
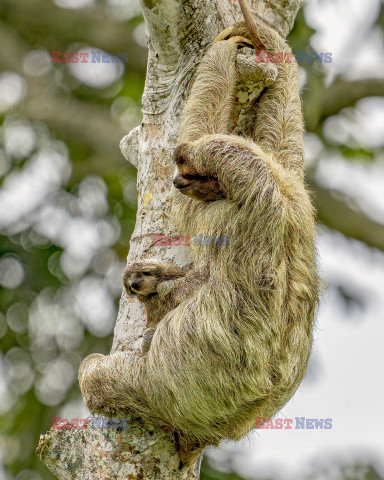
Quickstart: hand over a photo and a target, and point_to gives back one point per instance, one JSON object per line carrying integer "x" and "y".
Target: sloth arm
{"x": 176, "y": 291}
{"x": 244, "y": 168}
{"x": 208, "y": 108}
{"x": 279, "y": 126}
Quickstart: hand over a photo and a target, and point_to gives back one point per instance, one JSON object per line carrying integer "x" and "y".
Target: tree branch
{"x": 335, "y": 211}
{"x": 343, "y": 93}
{"x": 109, "y": 454}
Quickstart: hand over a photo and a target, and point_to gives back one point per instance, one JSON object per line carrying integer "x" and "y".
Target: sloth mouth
{"x": 183, "y": 187}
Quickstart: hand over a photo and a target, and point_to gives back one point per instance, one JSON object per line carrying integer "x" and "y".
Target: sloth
{"x": 233, "y": 337}
{"x": 151, "y": 282}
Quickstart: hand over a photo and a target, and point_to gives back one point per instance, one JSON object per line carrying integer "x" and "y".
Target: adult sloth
{"x": 235, "y": 344}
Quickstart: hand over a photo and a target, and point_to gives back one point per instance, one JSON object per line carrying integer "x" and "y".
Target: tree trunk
{"x": 179, "y": 33}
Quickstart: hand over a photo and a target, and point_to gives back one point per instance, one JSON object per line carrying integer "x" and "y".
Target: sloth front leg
{"x": 208, "y": 113}
{"x": 245, "y": 174}
{"x": 180, "y": 289}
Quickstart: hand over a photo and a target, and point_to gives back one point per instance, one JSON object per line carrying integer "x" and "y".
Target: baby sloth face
{"x": 140, "y": 282}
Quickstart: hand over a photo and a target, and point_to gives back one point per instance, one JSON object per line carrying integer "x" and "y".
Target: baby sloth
{"x": 150, "y": 282}
{"x": 236, "y": 335}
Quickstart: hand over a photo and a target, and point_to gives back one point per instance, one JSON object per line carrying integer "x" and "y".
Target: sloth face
{"x": 198, "y": 187}
{"x": 189, "y": 182}
{"x": 141, "y": 281}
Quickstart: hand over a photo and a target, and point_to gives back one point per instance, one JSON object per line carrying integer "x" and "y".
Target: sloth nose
{"x": 180, "y": 182}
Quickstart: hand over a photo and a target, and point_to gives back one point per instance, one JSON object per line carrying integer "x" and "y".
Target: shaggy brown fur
{"x": 237, "y": 344}
{"x": 151, "y": 282}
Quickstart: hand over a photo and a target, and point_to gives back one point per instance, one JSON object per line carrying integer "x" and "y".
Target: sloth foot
{"x": 251, "y": 69}
{"x": 91, "y": 386}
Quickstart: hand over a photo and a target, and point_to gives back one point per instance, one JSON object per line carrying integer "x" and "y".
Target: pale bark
{"x": 179, "y": 33}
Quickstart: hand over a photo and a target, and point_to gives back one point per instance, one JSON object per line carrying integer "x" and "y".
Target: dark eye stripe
{"x": 190, "y": 176}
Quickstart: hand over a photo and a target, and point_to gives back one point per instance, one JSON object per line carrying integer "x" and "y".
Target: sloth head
{"x": 139, "y": 280}
{"x": 198, "y": 187}
{"x": 190, "y": 183}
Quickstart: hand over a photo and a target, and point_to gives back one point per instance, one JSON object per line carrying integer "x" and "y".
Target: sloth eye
{"x": 189, "y": 176}
{"x": 146, "y": 274}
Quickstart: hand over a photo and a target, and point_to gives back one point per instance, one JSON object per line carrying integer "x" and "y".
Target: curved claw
{"x": 236, "y": 39}
{"x": 224, "y": 35}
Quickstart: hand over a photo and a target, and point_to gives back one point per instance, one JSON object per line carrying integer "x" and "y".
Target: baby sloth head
{"x": 141, "y": 279}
